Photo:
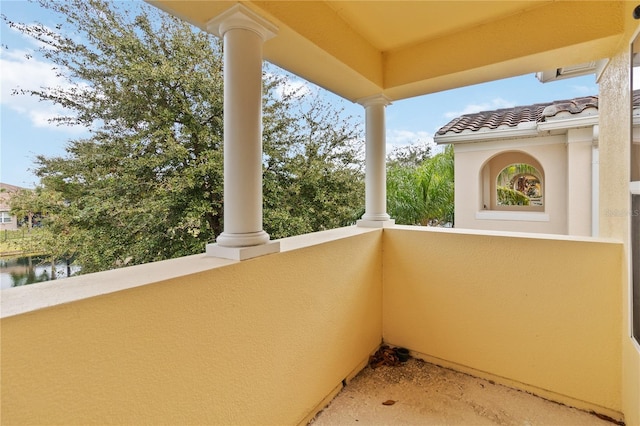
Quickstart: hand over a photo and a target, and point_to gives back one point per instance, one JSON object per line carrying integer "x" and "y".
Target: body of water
{"x": 19, "y": 271}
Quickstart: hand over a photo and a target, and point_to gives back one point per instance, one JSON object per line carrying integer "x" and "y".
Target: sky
{"x": 25, "y": 130}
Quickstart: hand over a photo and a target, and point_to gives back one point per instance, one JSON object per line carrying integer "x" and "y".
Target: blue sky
{"x": 25, "y": 131}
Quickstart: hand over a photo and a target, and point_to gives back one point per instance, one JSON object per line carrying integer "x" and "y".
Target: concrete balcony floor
{"x": 426, "y": 394}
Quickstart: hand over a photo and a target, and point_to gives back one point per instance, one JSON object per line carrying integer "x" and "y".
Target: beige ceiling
{"x": 421, "y": 20}
{"x": 409, "y": 48}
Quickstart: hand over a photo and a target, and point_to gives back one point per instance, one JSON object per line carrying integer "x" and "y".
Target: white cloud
{"x": 297, "y": 87}
{"x": 22, "y": 71}
{"x": 496, "y": 103}
{"x": 398, "y": 137}
{"x": 292, "y": 85}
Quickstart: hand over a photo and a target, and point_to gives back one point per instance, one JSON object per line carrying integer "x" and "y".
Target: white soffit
{"x": 593, "y": 67}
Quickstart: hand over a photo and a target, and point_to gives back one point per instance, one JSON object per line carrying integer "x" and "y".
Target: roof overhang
{"x": 527, "y": 129}
{"x": 403, "y": 49}
{"x": 571, "y": 71}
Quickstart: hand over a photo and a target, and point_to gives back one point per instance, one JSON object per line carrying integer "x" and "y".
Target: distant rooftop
{"x": 510, "y": 117}
{"x": 5, "y": 187}
{"x": 6, "y": 191}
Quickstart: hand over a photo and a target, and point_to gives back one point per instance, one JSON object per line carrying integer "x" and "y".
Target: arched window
{"x": 512, "y": 181}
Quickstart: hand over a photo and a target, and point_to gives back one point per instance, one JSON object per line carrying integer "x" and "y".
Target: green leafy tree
{"x": 511, "y": 197}
{"x": 409, "y": 155}
{"x": 313, "y": 178}
{"x": 422, "y": 193}
{"x": 55, "y": 236}
{"x": 146, "y": 184}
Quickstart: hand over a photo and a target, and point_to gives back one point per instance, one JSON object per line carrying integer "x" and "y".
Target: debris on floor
{"x": 388, "y": 356}
{"x": 426, "y": 394}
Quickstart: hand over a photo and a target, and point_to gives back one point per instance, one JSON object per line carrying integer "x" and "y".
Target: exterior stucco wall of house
{"x": 9, "y": 226}
{"x": 470, "y": 159}
{"x": 6, "y": 192}
{"x": 615, "y": 154}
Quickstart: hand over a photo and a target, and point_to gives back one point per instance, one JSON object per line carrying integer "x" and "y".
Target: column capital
{"x": 377, "y": 99}
{"x": 240, "y": 16}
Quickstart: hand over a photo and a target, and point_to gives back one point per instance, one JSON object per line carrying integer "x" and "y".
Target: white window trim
{"x": 5, "y": 217}
{"x": 634, "y": 189}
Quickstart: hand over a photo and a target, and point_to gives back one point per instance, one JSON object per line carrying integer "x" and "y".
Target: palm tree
{"x": 422, "y": 194}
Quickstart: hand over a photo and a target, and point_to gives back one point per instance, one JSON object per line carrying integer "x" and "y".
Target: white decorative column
{"x": 375, "y": 215}
{"x": 243, "y": 33}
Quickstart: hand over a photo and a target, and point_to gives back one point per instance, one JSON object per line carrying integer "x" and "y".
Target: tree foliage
{"x": 409, "y": 155}
{"x": 422, "y": 193}
{"x": 313, "y": 171}
{"x": 510, "y": 197}
{"x": 147, "y": 183}
{"x": 53, "y": 230}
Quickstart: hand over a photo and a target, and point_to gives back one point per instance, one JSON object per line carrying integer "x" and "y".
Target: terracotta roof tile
{"x": 511, "y": 117}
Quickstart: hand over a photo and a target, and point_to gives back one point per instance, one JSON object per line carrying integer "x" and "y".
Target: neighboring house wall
{"x": 558, "y": 139}
{"x": 471, "y": 207}
{"x": 7, "y": 221}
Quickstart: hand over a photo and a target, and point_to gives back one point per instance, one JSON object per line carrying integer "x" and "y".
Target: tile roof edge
{"x": 493, "y": 120}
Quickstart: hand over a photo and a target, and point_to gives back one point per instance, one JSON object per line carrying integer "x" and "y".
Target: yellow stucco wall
{"x": 257, "y": 342}
{"x": 615, "y": 153}
{"x": 543, "y": 313}
{"x": 266, "y": 340}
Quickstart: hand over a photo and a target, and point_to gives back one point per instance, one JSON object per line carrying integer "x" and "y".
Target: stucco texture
{"x": 615, "y": 200}
{"x": 543, "y": 313}
{"x": 261, "y": 341}
{"x": 474, "y": 191}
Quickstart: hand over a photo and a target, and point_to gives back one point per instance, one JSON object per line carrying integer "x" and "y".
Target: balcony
{"x": 270, "y": 340}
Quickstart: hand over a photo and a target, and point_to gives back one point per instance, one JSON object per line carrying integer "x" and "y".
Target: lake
{"x": 19, "y": 271}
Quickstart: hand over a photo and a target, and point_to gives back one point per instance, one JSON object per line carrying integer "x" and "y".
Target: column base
{"x": 242, "y": 253}
{"x": 375, "y": 216}
{"x": 245, "y": 239}
{"x": 364, "y": 223}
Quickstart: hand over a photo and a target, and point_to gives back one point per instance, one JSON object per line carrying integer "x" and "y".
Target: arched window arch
{"x": 513, "y": 181}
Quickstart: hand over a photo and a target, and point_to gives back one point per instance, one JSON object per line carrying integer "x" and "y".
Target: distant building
{"x": 529, "y": 168}
{"x": 7, "y": 221}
